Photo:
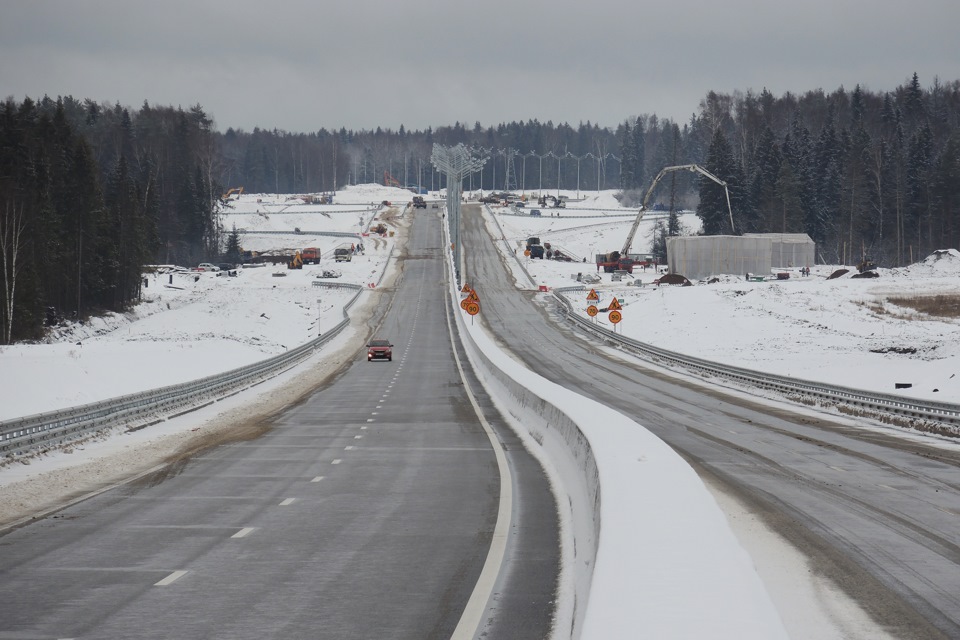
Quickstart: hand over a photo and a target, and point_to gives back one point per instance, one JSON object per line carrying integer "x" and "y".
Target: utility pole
{"x": 456, "y": 162}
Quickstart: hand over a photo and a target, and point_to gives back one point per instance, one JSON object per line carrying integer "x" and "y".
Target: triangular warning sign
{"x": 593, "y": 295}
{"x": 473, "y": 297}
{"x": 466, "y": 288}
{"x": 614, "y": 305}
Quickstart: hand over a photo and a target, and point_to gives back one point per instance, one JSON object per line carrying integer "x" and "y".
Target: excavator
{"x": 230, "y": 192}
{"x": 621, "y": 260}
{"x": 389, "y": 180}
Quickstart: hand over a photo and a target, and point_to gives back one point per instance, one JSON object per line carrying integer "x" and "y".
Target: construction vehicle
{"x": 343, "y": 253}
{"x": 555, "y": 202}
{"x": 296, "y": 262}
{"x": 390, "y": 181}
{"x": 310, "y": 255}
{"x": 235, "y": 190}
{"x": 419, "y": 202}
{"x": 621, "y": 260}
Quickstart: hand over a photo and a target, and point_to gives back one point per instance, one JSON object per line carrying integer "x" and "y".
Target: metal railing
{"x": 139, "y": 410}
{"x": 867, "y": 401}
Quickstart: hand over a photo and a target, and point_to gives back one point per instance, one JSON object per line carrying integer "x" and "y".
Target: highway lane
{"x": 878, "y": 514}
{"x": 364, "y": 512}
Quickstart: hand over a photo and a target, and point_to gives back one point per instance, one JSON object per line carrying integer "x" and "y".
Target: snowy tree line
{"x": 90, "y": 192}
{"x": 864, "y": 174}
{"x": 88, "y": 195}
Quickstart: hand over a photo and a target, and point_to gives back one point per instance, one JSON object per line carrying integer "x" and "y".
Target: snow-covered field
{"x": 844, "y": 331}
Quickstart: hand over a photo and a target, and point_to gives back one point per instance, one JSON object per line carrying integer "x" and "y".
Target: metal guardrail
{"x": 940, "y": 412}
{"x": 142, "y": 409}
{"x": 293, "y": 232}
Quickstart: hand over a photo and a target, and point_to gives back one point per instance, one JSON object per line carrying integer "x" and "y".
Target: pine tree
{"x": 627, "y": 158}
{"x": 234, "y": 252}
{"x": 767, "y": 161}
{"x": 638, "y": 154}
{"x": 713, "y": 210}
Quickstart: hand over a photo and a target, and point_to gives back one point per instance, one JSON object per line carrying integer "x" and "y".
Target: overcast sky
{"x": 302, "y": 65}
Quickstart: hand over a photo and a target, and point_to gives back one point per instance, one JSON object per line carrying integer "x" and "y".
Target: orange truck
{"x": 310, "y": 255}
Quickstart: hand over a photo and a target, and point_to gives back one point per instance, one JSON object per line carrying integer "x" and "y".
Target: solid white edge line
{"x": 472, "y": 617}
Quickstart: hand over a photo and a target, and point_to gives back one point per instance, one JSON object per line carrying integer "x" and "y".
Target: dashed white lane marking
{"x": 379, "y": 406}
{"x": 173, "y": 577}
{"x": 363, "y": 428}
{"x": 373, "y": 413}
{"x": 337, "y": 461}
{"x": 357, "y": 437}
{"x": 287, "y": 502}
{"x": 317, "y": 479}
{"x": 350, "y": 448}
{"x": 370, "y": 419}
{"x": 243, "y": 533}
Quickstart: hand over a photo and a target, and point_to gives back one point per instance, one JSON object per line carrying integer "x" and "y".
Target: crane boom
{"x": 646, "y": 198}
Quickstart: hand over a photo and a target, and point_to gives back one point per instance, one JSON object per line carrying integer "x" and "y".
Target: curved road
{"x": 364, "y": 512}
{"x": 879, "y": 515}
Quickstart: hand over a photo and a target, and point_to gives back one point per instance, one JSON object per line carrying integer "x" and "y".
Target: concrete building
{"x": 698, "y": 257}
{"x": 789, "y": 250}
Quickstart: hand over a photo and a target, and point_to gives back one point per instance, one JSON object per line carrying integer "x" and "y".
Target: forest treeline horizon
{"x": 90, "y": 192}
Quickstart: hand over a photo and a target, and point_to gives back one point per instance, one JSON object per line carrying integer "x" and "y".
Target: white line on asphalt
{"x": 287, "y": 502}
{"x": 357, "y": 437}
{"x": 176, "y": 575}
{"x": 470, "y": 621}
{"x": 243, "y": 533}
{"x": 350, "y": 448}
{"x": 337, "y": 461}
{"x": 317, "y": 479}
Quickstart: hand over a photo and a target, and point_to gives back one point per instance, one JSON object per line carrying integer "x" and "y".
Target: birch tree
{"x": 11, "y": 230}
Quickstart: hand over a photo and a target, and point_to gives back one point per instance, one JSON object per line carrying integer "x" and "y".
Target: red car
{"x": 379, "y": 350}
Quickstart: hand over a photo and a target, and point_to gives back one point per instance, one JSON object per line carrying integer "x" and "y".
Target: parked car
{"x": 535, "y": 212}
{"x": 206, "y": 266}
{"x": 379, "y": 349}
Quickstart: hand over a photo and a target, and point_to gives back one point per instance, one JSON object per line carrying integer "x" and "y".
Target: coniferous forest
{"x": 90, "y": 192}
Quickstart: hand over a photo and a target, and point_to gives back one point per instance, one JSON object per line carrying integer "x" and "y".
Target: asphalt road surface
{"x": 364, "y": 512}
{"x": 878, "y": 514}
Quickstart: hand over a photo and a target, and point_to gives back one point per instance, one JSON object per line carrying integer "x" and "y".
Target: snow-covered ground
{"x": 844, "y": 331}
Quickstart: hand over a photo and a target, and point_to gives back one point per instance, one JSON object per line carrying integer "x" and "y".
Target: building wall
{"x": 698, "y": 257}
{"x": 789, "y": 249}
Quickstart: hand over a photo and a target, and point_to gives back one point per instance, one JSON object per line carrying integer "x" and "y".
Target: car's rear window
{"x": 379, "y": 343}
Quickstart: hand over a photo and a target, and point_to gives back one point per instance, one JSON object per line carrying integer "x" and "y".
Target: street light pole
{"x": 456, "y": 163}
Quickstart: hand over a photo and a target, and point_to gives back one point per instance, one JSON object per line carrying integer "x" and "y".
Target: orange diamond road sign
{"x": 473, "y": 297}
{"x": 615, "y": 317}
{"x": 592, "y": 296}
{"x": 615, "y": 305}
{"x": 592, "y": 311}
{"x": 472, "y": 308}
